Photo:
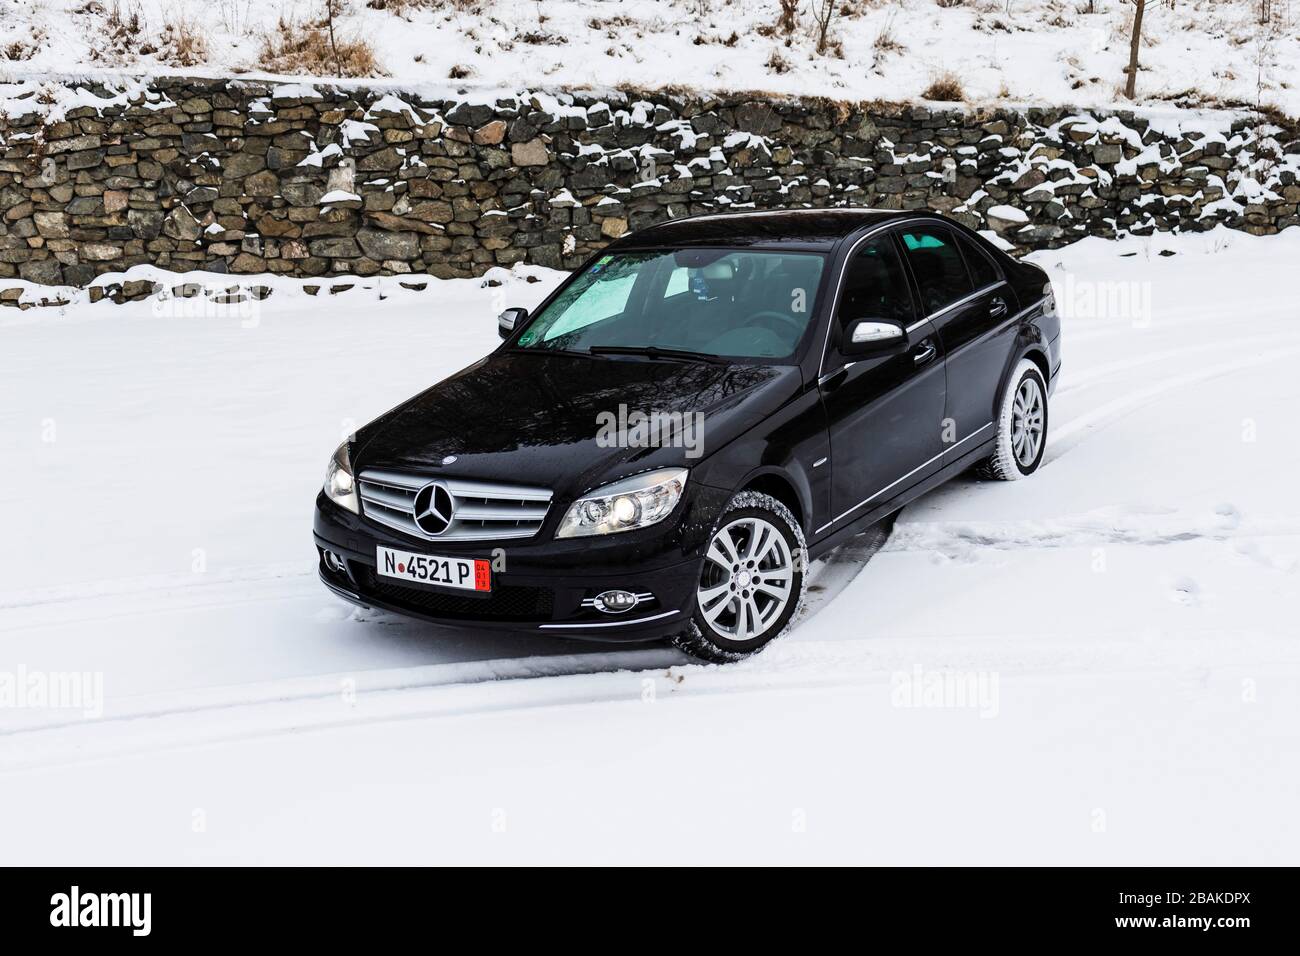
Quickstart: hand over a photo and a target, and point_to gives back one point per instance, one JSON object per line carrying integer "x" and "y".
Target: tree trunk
{"x": 329, "y": 14}
{"x": 1130, "y": 87}
{"x": 823, "y": 17}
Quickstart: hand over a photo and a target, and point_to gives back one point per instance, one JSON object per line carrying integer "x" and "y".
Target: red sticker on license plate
{"x": 482, "y": 574}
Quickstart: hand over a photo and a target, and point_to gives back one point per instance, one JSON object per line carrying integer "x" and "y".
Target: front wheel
{"x": 751, "y": 583}
{"x": 1022, "y": 426}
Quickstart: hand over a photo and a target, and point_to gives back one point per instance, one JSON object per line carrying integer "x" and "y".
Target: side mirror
{"x": 509, "y": 320}
{"x": 873, "y": 337}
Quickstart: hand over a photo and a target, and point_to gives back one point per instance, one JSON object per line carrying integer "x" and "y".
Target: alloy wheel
{"x": 747, "y": 580}
{"x": 1027, "y": 422}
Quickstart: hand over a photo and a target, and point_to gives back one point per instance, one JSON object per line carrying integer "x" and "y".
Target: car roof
{"x": 811, "y": 229}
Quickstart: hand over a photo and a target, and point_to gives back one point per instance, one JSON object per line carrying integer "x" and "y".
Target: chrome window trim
{"x": 952, "y": 447}
{"x": 965, "y": 300}
{"x": 839, "y": 284}
{"x": 844, "y": 268}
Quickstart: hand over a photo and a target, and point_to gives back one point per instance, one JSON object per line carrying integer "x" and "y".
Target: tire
{"x": 733, "y": 619}
{"x": 1020, "y": 445}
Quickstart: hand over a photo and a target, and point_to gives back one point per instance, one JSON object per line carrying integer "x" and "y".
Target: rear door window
{"x": 982, "y": 269}
{"x": 938, "y": 266}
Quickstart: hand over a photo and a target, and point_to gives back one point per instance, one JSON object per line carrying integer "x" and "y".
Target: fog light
{"x": 615, "y": 602}
{"x": 334, "y": 562}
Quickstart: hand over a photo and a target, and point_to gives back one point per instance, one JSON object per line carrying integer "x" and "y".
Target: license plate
{"x": 468, "y": 574}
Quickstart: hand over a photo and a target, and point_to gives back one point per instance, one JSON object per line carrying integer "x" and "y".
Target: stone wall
{"x": 247, "y": 177}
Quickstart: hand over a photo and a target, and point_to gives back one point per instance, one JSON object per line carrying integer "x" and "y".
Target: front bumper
{"x": 539, "y": 585}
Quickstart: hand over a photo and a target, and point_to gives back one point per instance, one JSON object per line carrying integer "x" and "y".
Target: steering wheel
{"x": 764, "y": 319}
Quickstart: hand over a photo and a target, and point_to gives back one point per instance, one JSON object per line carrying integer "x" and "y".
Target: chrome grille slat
{"x": 381, "y": 495}
{"x": 474, "y": 512}
{"x": 483, "y": 489}
{"x": 396, "y": 479}
{"x": 482, "y": 510}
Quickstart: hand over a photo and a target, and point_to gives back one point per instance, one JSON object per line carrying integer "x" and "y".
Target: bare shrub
{"x": 400, "y": 7}
{"x": 945, "y": 88}
{"x": 540, "y": 38}
{"x": 789, "y": 19}
{"x": 123, "y": 29}
{"x": 777, "y": 63}
{"x": 23, "y": 49}
{"x": 183, "y": 44}
{"x": 823, "y": 14}
{"x": 886, "y": 41}
{"x": 306, "y": 48}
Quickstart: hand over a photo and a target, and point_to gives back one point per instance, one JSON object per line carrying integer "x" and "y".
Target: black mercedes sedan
{"x": 659, "y": 449}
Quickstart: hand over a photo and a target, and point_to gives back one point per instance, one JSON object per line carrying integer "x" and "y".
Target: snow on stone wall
{"x": 300, "y": 180}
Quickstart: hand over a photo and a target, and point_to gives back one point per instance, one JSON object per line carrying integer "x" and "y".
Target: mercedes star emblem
{"x": 432, "y": 509}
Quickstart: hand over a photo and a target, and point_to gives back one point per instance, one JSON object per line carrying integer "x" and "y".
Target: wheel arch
{"x": 779, "y": 484}
{"x": 1036, "y": 353}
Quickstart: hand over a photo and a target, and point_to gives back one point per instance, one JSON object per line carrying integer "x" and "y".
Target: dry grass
{"x": 945, "y": 88}
{"x": 18, "y": 50}
{"x": 122, "y": 31}
{"x": 401, "y": 7}
{"x": 24, "y": 49}
{"x": 788, "y": 22}
{"x": 306, "y": 48}
{"x": 886, "y": 41}
{"x": 183, "y": 44}
{"x": 777, "y": 63}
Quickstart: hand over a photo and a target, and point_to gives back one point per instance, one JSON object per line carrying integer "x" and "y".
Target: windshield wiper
{"x": 654, "y": 351}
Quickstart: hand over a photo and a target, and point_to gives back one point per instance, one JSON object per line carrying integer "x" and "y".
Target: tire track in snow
{"x": 962, "y": 539}
{"x": 1141, "y": 397}
{"x": 1099, "y": 373}
{"x": 829, "y": 576}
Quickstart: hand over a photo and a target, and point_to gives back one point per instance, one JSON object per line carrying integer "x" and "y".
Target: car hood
{"x": 550, "y": 419}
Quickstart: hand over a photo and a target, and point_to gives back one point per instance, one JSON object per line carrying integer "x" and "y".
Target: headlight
{"x": 635, "y": 502}
{"x": 339, "y": 486}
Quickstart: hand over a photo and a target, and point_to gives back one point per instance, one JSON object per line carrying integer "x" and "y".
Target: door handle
{"x": 924, "y": 355}
{"x": 997, "y": 307}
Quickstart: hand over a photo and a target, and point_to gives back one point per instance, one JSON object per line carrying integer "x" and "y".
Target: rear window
{"x": 938, "y": 267}
{"x": 982, "y": 269}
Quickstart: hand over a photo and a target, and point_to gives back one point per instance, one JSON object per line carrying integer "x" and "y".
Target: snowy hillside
{"x": 1123, "y": 623}
{"x": 1206, "y": 52}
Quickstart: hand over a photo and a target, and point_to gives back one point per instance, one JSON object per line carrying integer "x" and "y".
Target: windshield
{"x": 730, "y": 303}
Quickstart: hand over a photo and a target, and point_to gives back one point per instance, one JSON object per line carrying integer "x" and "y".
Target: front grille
{"x": 505, "y": 603}
{"x": 480, "y": 510}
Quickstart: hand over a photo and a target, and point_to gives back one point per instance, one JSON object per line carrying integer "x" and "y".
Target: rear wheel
{"x": 1022, "y": 426}
{"x": 751, "y": 582}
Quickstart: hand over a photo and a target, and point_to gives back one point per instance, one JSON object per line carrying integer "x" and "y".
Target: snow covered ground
{"x": 1053, "y": 51}
{"x": 1099, "y": 665}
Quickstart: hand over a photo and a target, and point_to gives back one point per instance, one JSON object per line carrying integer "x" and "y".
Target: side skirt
{"x": 952, "y": 470}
